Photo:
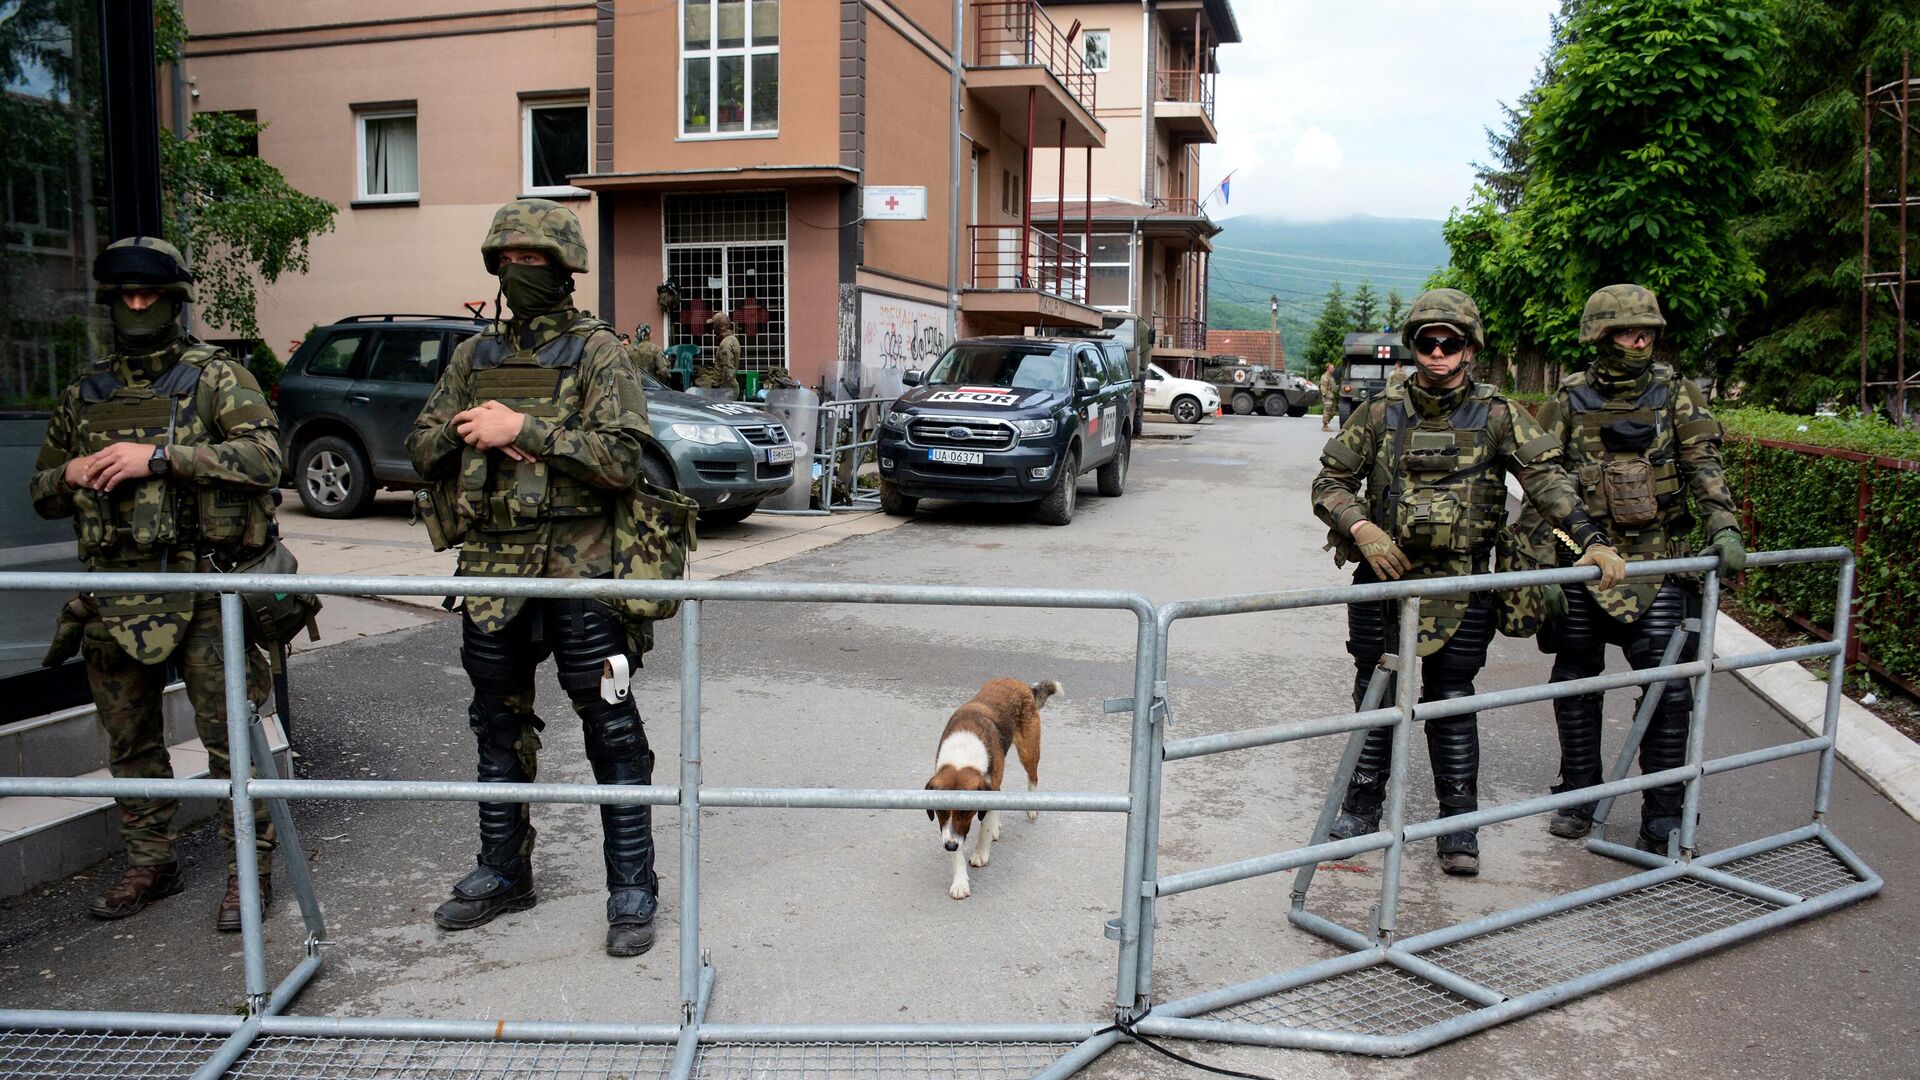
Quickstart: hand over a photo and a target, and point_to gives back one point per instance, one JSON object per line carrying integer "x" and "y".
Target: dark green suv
{"x": 351, "y": 392}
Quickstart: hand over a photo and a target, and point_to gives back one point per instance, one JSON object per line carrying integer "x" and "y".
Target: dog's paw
{"x": 1033, "y": 815}
{"x": 980, "y": 857}
{"x": 960, "y": 890}
{"x": 994, "y": 833}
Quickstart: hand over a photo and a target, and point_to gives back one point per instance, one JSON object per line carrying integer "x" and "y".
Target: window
{"x": 553, "y": 146}
{"x": 389, "y": 156}
{"x": 39, "y": 209}
{"x": 729, "y": 67}
{"x": 1109, "y": 270}
{"x": 1099, "y": 48}
{"x": 729, "y": 253}
{"x": 335, "y": 358}
{"x": 405, "y": 356}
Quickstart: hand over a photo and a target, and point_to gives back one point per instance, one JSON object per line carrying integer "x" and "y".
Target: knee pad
{"x": 614, "y": 732}
{"x": 583, "y": 634}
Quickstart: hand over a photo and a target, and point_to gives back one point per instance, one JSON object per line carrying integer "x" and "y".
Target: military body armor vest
{"x": 1434, "y": 485}
{"x": 505, "y": 502}
{"x": 1623, "y": 452}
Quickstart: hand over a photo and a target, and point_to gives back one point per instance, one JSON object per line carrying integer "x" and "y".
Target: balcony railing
{"x": 1044, "y": 264}
{"x": 1179, "y": 332}
{"x": 1012, "y": 33}
{"x": 1185, "y": 207}
{"x": 1187, "y": 84}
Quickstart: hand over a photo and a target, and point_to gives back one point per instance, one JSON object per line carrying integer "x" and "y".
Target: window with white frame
{"x": 553, "y": 145}
{"x": 729, "y": 67}
{"x": 389, "y": 148}
{"x": 729, "y": 253}
{"x": 1098, "y": 45}
{"x": 1109, "y": 269}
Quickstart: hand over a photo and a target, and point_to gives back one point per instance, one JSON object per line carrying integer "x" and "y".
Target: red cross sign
{"x": 1384, "y": 352}
{"x": 893, "y": 203}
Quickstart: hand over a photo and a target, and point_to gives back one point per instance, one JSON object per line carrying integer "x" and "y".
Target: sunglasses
{"x": 1448, "y": 346}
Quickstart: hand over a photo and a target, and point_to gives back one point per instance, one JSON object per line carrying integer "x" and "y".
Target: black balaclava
{"x": 535, "y": 290}
{"x": 144, "y": 331}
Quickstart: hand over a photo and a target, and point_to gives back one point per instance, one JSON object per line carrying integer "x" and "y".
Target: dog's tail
{"x": 1044, "y": 690}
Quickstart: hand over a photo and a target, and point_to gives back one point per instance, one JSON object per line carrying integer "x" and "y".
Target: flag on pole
{"x": 1226, "y": 192}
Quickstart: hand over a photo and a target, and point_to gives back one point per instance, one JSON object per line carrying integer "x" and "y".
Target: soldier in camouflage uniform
{"x": 649, "y": 358}
{"x": 1329, "y": 397}
{"x": 533, "y": 431}
{"x": 165, "y": 456}
{"x": 1432, "y": 454}
{"x": 1639, "y": 441}
{"x": 717, "y": 372}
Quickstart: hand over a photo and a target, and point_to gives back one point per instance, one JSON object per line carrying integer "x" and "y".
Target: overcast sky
{"x": 1335, "y": 107}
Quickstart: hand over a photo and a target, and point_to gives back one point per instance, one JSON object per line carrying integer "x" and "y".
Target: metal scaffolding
{"x": 1890, "y": 101}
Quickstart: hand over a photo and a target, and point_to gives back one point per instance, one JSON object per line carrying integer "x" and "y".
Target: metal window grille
{"x": 729, "y": 253}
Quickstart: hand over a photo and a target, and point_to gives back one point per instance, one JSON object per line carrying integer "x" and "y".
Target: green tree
{"x": 1364, "y": 309}
{"x": 1802, "y": 219}
{"x": 1329, "y": 332}
{"x": 1396, "y": 307}
{"x": 235, "y": 216}
{"x": 1641, "y": 154}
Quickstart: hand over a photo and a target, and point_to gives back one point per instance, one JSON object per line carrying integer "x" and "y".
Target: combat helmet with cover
{"x": 141, "y": 262}
{"x": 1619, "y": 307}
{"x": 537, "y": 225}
{"x": 1449, "y": 306}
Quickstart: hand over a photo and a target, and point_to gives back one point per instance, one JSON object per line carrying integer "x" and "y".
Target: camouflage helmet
{"x": 536, "y": 225}
{"x": 141, "y": 262}
{"x": 1450, "y": 306}
{"x": 1619, "y": 307}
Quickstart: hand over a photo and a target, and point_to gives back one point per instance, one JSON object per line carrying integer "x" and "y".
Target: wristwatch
{"x": 160, "y": 463}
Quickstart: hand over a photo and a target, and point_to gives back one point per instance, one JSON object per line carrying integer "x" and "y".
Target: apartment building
{"x": 1154, "y": 65}
{"x": 852, "y": 180}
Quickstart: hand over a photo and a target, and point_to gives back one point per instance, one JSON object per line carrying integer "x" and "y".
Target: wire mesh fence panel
{"x": 289, "y": 1057}
{"x": 875, "y": 1061}
{"x": 1804, "y": 869}
{"x": 102, "y": 1055}
{"x": 1557, "y": 948}
{"x": 1378, "y": 1000}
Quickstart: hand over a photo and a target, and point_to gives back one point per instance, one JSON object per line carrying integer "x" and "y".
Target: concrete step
{"x": 46, "y": 838}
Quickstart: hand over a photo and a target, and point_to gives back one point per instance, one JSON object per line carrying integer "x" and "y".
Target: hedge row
{"x": 1802, "y": 498}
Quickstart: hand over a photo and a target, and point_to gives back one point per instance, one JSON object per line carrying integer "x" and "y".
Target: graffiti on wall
{"x": 895, "y": 336}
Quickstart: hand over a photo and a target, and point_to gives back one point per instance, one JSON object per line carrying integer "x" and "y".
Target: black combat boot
{"x": 503, "y": 880}
{"x": 1360, "y": 810}
{"x": 632, "y": 886}
{"x": 1454, "y": 745}
{"x": 486, "y": 894}
{"x": 1664, "y": 747}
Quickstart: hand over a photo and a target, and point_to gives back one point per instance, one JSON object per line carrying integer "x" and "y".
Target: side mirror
{"x": 1089, "y": 385}
{"x": 912, "y": 377}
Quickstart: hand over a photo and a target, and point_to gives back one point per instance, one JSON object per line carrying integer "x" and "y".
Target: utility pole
{"x": 1273, "y": 327}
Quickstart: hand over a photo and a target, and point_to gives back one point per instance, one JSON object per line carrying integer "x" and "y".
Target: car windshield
{"x": 1366, "y": 371}
{"x": 1039, "y": 367}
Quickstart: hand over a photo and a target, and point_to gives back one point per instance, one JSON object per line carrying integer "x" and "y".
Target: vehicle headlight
{"x": 896, "y": 421}
{"x": 1033, "y": 429}
{"x": 706, "y": 434}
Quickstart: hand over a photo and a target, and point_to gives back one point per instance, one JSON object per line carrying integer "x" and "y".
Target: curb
{"x": 1887, "y": 760}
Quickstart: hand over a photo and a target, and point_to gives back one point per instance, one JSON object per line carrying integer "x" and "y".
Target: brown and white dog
{"x": 1003, "y": 716}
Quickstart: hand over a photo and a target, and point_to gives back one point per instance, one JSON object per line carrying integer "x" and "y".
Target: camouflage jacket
{"x": 1638, "y": 451}
{"x": 718, "y": 372}
{"x": 1433, "y": 469}
{"x": 586, "y": 421}
{"x": 1329, "y": 388}
{"x": 650, "y": 359}
{"x": 224, "y": 460}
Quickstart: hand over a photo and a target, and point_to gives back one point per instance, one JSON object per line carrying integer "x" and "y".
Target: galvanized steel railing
{"x": 1380, "y": 947}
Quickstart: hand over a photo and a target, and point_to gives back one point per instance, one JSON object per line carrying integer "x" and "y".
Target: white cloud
{"x": 1318, "y": 151}
{"x": 1328, "y": 110}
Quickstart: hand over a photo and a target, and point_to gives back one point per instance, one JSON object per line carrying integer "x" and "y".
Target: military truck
{"x": 1246, "y": 387}
{"x": 1366, "y": 362}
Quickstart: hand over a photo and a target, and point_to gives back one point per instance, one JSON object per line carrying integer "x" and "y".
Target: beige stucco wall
{"x": 423, "y": 258}
{"x": 1117, "y": 95}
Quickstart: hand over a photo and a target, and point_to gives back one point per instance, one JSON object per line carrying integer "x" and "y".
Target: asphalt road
{"x": 843, "y": 915}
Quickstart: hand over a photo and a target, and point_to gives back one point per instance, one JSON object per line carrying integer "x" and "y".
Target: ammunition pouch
{"x": 653, "y": 530}
{"x": 1431, "y": 520}
{"x": 274, "y": 618}
{"x": 233, "y": 518}
{"x": 69, "y": 629}
{"x": 437, "y": 508}
{"x": 1628, "y": 487}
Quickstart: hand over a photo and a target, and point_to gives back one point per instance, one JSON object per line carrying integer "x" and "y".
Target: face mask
{"x": 142, "y": 331}
{"x": 534, "y": 290}
{"x": 1619, "y": 362}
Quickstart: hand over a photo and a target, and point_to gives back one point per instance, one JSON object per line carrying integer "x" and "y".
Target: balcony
{"x": 1026, "y": 70}
{"x": 1022, "y": 284}
{"x": 1179, "y": 332}
{"x": 1184, "y": 104}
{"x": 1179, "y": 207}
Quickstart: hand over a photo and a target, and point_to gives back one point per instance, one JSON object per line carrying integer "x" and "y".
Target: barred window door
{"x": 729, "y": 253}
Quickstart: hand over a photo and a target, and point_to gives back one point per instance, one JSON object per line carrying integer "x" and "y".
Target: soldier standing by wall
{"x": 164, "y": 456}
{"x": 1639, "y": 441}
{"x": 1432, "y": 455}
{"x": 534, "y": 428}
{"x": 717, "y": 372}
{"x": 1329, "y": 396}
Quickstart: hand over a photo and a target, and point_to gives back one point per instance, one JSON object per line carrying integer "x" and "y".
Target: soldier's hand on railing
{"x": 1727, "y": 546}
{"x": 1381, "y": 553}
{"x": 1613, "y": 568}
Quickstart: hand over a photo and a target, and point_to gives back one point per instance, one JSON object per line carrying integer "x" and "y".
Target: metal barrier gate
{"x": 1441, "y": 985}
